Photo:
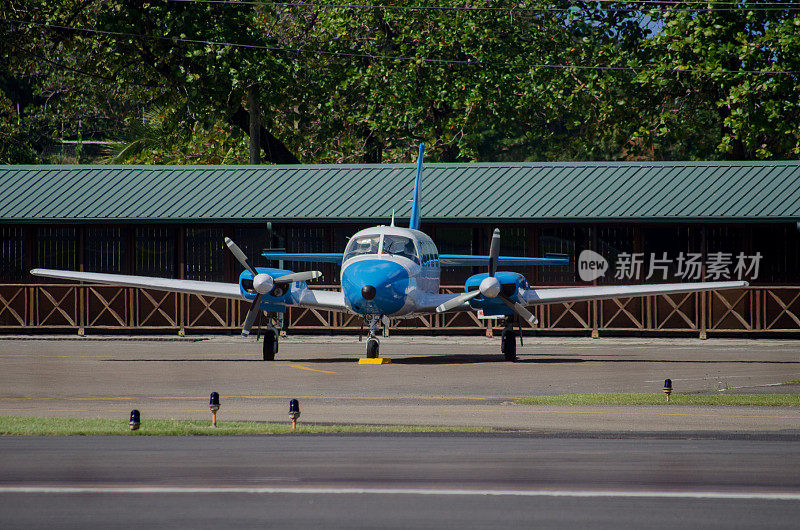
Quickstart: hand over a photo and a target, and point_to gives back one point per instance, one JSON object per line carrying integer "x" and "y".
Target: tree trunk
{"x": 255, "y": 125}
{"x": 274, "y": 150}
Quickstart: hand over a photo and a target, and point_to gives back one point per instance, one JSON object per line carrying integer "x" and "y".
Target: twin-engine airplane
{"x": 388, "y": 271}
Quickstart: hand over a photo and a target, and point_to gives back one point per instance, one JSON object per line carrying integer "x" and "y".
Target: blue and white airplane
{"x": 390, "y": 272}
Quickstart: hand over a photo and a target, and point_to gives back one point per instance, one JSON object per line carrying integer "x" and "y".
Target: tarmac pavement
{"x": 398, "y": 481}
{"x": 431, "y": 381}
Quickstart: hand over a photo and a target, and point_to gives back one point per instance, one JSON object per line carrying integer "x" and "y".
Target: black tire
{"x": 508, "y": 346}
{"x": 373, "y": 348}
{"x": 270, "y": 345}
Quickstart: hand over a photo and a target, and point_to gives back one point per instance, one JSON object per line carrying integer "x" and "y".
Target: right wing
{"x": 464, "y": 260}
{"x": 575, "y": 294}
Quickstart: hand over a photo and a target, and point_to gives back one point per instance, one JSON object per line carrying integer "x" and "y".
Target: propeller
{"x": 263, "y": 283}
{"x": 490, "y": 287}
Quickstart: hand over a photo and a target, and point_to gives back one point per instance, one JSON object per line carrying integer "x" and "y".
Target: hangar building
{"x": 642, "y": 221}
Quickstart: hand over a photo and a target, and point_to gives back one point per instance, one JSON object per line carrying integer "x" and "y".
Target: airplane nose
{"x": 368, "y": 292}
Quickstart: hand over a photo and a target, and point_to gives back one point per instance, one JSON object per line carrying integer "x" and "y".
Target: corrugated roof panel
{"x": 783, "y": 198}
{"x": 622, "y": 188}
{"x": 350, "y": 190}
{"x": 441, "y": 182}
{"x": 695, "y": 186}
{"x": 481, "y": 194}
{"x": 603, "y": 191}
{"x": 13, "y": 196}
{"x": 717, "y": 190}
{"x": 508, "y": 188}
{"x": 662, "y": 181}
{"x": 675, "y": 182}
{"x": 449, "y": 202}
{"x": 546, "y": 182}
{"x": 760, "y": 191}
{"x": 740, "y": 184}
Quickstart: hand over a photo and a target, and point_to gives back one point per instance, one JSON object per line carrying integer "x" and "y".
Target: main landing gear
{"x": 373, "y": 344}
{"x": 270, "y": 340}
{"x": 508, "y": 341}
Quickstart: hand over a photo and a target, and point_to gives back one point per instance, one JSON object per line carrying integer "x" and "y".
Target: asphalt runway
{"x": 432, "y": 381}
{"x": 603, "y": 467}
{"x": 398, "y": 481}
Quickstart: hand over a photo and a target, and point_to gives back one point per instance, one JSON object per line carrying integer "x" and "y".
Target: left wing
{"x": 322, "y": 257}
{"x": 219, "y": 289}
{"x": 331, "y": 300}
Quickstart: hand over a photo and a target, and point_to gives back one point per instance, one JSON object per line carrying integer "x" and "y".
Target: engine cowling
{"x": 264, "y": 283}
{"x": 507, "y": 283}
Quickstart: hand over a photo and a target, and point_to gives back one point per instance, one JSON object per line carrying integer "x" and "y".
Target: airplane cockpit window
{"x": 400, "y": 246}
{"x": 426, "y": 253}
{"x": 366, "y": 244}
{"x": 429, "y": 257}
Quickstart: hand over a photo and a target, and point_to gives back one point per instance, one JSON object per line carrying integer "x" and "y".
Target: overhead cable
{"x": 407, "y": 58}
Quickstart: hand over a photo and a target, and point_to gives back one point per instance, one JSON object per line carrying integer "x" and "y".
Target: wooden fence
{"x": 40, "y": 308}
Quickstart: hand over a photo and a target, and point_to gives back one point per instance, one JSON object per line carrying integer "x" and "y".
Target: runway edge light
{"x": 134, "y": 422}
{"x": 213, "y": 404}
{"x": 294, "y": 412}
{"x": 668, "y": 387}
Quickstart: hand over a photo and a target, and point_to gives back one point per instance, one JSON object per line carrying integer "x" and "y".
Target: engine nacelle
{"x": 510, "y": 284}
{"x": 278, "y": 295}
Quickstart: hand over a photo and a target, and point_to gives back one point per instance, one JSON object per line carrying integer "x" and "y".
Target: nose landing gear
{"x": 373, "y": 344}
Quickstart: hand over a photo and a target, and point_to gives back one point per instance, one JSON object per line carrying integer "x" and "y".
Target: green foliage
{"x": 748, "y": 400}
{"x": 30, "y": 426}
{"x": 150, "y": 140}
{"x": 344, "y": 84}
{"x": 708, "y": 114}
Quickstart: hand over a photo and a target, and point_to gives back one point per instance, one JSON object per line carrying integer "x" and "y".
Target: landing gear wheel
{"x": 508, "y": 345}
{"x": 270, "y": 345}
{"x": 373, "y": 347}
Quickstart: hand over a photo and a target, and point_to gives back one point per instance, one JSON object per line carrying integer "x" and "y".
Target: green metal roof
{"x": 540, "y": 192}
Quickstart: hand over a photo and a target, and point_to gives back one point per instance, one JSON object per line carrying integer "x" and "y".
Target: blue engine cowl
{"x": 280, "y": 294}
{"x": 510, "y": 282}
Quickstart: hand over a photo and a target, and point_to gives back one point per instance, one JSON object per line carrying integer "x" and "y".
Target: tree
{"x": 725, "y": 107}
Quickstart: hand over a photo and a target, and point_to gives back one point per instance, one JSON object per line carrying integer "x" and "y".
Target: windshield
{"x": 400, "y": 246}
{"x": 366, "y": 244}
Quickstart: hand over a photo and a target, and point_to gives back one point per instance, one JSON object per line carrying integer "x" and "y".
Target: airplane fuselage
{"x": 386, "y": 269}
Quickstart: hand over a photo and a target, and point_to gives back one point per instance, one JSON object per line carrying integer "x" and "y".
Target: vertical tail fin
{"x": 416, "y": 217}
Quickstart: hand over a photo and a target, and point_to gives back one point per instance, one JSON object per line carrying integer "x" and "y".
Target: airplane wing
{"x": 315, "y": 299}
{"x": 317, "y": 257}
{"x": 463, "y": 260}
{"x": 574, "y": 294}
{"x": 332, "y": 300}
{"x": 222, "y": 290}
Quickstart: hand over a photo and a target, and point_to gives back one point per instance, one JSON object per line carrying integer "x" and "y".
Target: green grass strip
{"x": 752, "y": 400}
{"x": 29, "y": 426}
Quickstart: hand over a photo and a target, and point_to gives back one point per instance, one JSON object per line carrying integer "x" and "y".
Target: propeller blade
{"x": 494, "y": 251}
{"x": 298, "y": 277}
{"x": 240, "y": 257}
{"x": 251, "y": 316}
{"x": 457, "y": 301}
{"x": 520, "y": 310}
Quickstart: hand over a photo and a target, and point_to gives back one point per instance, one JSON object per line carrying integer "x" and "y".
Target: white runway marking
{"x": 634, "y": 494}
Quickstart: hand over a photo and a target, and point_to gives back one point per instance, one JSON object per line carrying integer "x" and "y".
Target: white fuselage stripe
{"x": 634, "y": 494}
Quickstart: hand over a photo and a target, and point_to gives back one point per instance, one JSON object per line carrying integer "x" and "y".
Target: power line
{"x": 81, "y": 72}
{"x": 407, "y": 58}
{"x": 650, "y": 6}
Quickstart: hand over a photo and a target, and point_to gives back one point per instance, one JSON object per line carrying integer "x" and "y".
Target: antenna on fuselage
{"x": 392, "y": 223}
{"x": 416, "y": 217}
